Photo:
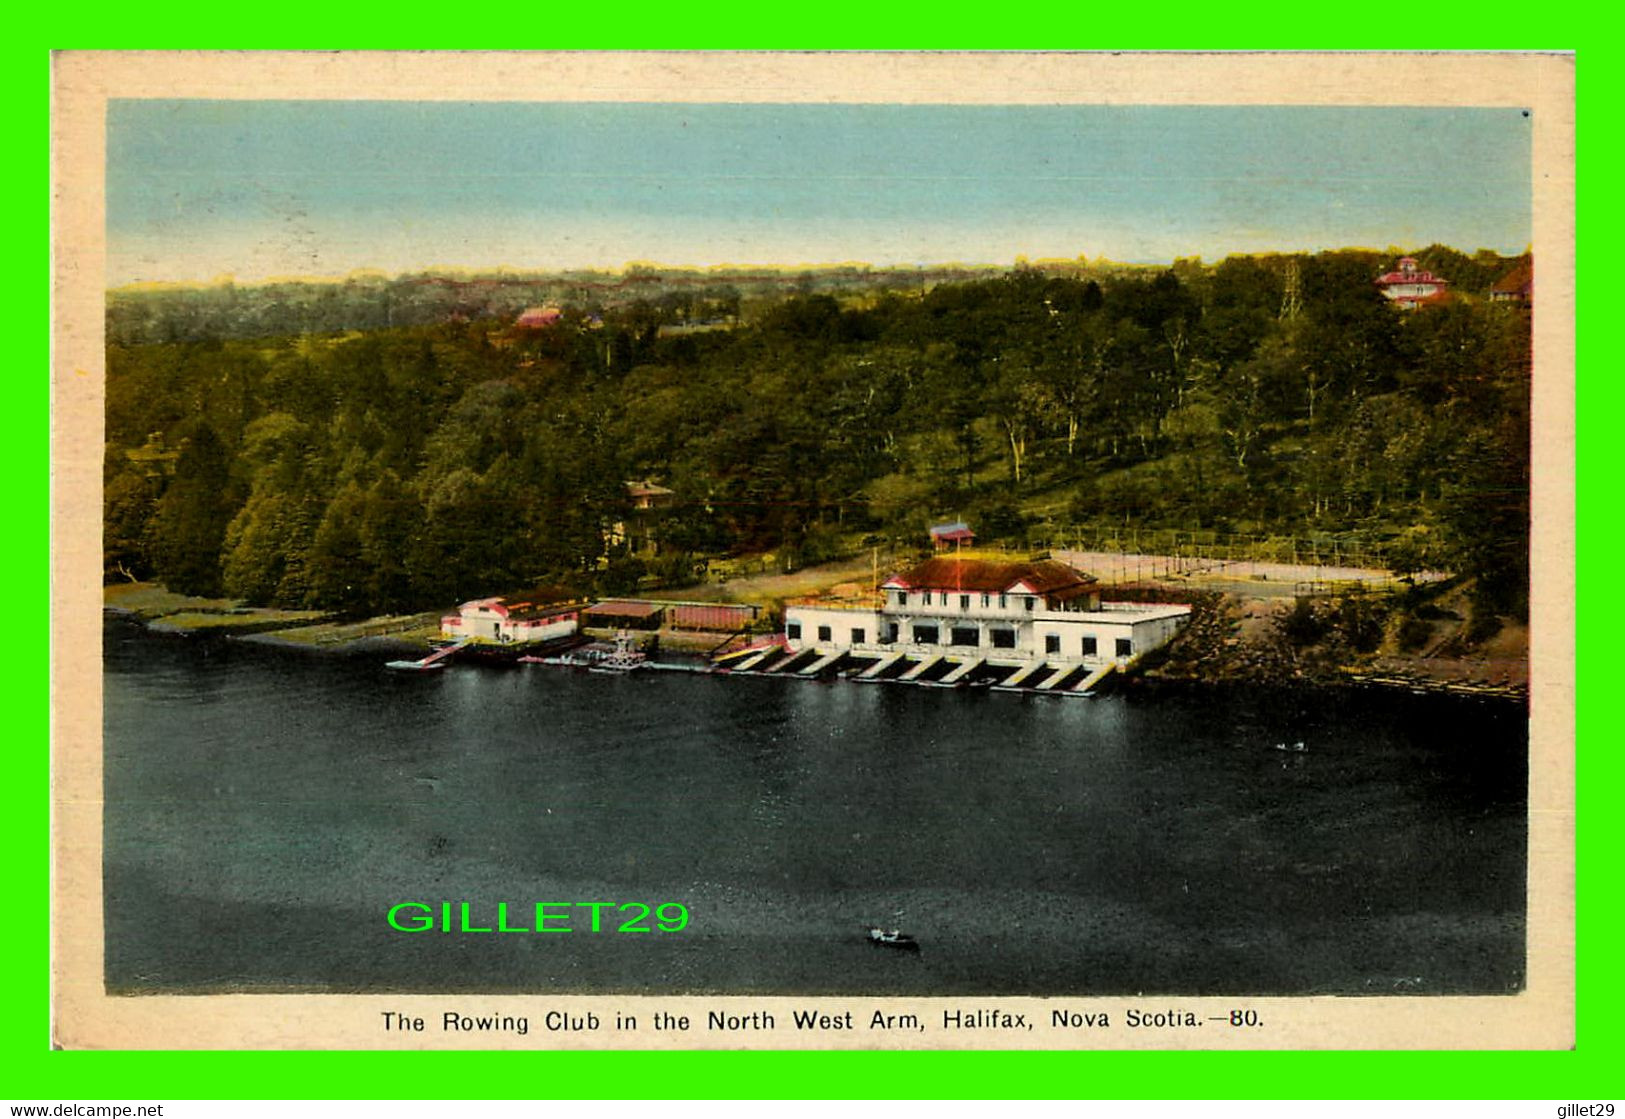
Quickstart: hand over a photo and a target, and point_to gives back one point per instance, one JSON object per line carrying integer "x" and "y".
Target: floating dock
{"x": 434, "y": 660}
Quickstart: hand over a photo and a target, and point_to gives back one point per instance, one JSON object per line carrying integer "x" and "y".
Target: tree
{"x": 340, "y": 576}
{"x": 190, "y": 521}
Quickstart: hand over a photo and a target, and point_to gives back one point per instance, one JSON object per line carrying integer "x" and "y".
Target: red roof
{"x": 539, "y": 316}
{"x": 1519, "y": 281}
{"x": 616, "y": 608}
{"x": 1410, "y": 278}
{"x": 992, "y": 576}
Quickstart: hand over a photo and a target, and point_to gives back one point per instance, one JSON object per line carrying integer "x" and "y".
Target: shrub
{"x": 1302, "y": 625}
{"x": 1414, "y": 633}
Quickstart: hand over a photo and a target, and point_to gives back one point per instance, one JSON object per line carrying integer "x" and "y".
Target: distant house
{"x": 637, "y": 533}
{"x": 153, "y": 458}
{"x": 1000, "y": 611}
{"x": 647, "y": 495}
{"x": 538, "y": 318}
{"x": 952, "y": 534}
{"x": 504, "y": 622}
{"x": 1517, "y": 286}
{"x": 1411, "y": 287}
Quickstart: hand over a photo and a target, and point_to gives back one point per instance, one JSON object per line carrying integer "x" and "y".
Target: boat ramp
{"x": 772, "y": 658}
{"x": 1052, "y": 677}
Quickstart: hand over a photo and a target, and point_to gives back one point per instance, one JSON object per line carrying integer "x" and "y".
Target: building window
{"x": 823, "y": 633}
{"x": 1052, "y": 643}
{"x": 925, "y": 635}
{"x": 1089, "y": 649}
{"x": 966, "y": 635}
{"x": 858, "y": 637}
{"x": 891, "y": 633}
{"x": 925, "y": 597}
{"x": 1003, "y": 638}
{"x": 986, "y": 598}
{"x": 792, "y": 630}
{"x": 1125, "y": 647}
{"x": 902, "y": 598}
{"x": 1028, "y": 602}
{"x": 964, "y": 603}
{"x": 1004, "y": 601}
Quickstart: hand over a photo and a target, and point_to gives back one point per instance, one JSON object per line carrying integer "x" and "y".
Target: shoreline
{"x": 162, "y": 612}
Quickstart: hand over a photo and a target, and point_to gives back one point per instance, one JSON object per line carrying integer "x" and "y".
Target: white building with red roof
{"x": 1411, "y": 287}
{"x": 503, "y": 622}
{"x": 993, "y": 610}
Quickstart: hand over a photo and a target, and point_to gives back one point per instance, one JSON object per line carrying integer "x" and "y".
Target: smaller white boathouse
{"x": 497, "y": 620}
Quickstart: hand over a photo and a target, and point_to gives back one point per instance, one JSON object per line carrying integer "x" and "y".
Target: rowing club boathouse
{"x": 984, "y": 612}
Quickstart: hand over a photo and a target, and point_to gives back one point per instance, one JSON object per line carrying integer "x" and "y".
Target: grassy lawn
{"x": 414, "y": 628}
{"x": 770, "y": 589}
{"x": 149, "y": 600}
{"x": 153, "y": 602}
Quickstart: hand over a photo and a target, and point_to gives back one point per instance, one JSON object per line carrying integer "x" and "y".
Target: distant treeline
{"x": 374, "y": 467}
{"x": 670, "y": 295}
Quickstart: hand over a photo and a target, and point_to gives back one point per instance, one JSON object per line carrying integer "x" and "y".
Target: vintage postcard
{"x": 1020, "y": 551}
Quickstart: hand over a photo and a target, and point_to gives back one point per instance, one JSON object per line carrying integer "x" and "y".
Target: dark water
{"x": 265, "y": 808}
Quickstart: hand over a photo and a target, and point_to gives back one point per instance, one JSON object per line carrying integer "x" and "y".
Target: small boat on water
{"x": 891, "y": 938}
{"x": 1292, "y": 747}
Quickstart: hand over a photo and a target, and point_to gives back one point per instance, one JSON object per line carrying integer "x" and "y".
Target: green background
{"x": 37, "y": 1073}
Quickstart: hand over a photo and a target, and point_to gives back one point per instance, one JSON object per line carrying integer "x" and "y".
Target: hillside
{"x": 1263, "y": 408}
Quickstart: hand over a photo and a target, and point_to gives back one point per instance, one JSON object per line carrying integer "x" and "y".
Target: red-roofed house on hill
{"x": 1411, "y": 287}
{"x": 952, "y": 534}
{"x": 1002, "y": 611}
{"x": 538, "y": 318}
{"x": 1517, "y": 286}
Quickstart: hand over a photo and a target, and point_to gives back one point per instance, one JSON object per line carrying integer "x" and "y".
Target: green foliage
{"x": 1360, "y": 620}
{"x": 1303, "y": 624}
{"x": 189, "y": 521}
{"x": 1414, "y": 633}
{"x": 391, "y": 445}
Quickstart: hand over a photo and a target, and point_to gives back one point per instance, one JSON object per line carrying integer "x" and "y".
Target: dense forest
{"x": 318, "y": 445}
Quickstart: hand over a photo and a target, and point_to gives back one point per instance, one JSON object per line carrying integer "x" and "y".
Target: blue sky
{"x": 196, "y": 189}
